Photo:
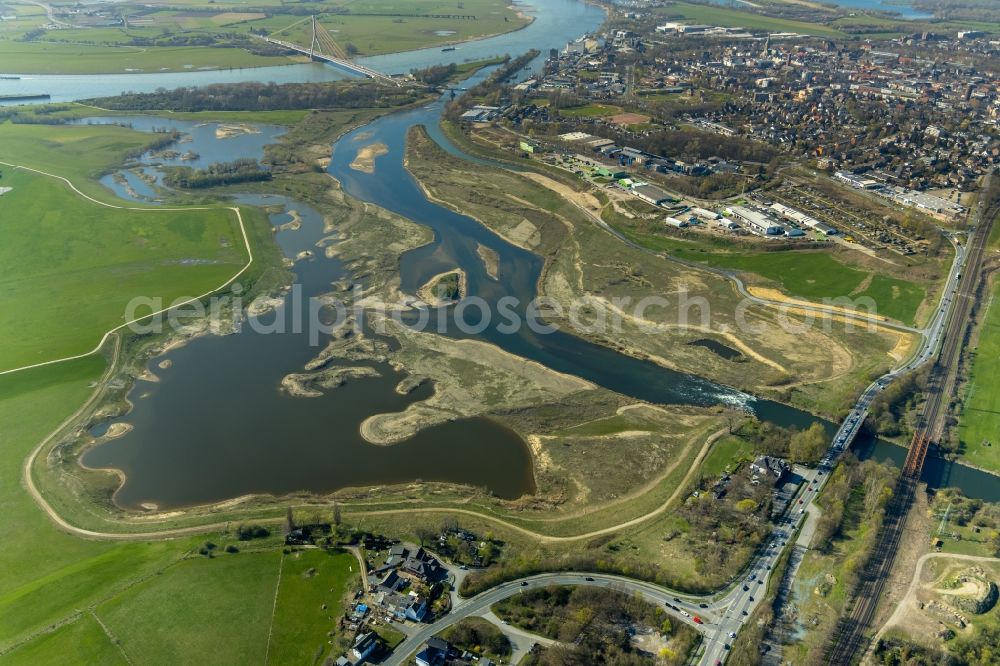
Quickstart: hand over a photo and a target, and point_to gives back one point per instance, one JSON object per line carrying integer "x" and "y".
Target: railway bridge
{"x": 851, "y": 635}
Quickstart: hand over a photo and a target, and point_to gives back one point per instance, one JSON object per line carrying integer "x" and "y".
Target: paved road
{"x": 687, "y": 605}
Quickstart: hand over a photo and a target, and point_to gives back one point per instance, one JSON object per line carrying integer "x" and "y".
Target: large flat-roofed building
{"x": 651, "y": 193}
{"x": 857, "y": 181}
{"x": 756, "y": 221}
{"x": 802, "y": 219}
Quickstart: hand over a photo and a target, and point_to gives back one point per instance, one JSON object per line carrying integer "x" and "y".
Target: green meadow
{"x": 309, "y": 602}
{"x": 731, "y": 18}
{"x": 60, "y": 57}
{"x": 979, "y": 423}
{"x": 50, "y": 576}
{"x": 817, "y": 275}
{"x": 69, "y": 266}
{"x": 217, "y": 610}
{"x": 589, "y": 111}
{"x": 812, "y": 275}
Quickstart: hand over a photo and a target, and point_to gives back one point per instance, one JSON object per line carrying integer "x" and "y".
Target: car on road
{"x": 732, "y": 634}
{"x": 589, "y": 579}
{"x": 677, "y": 600}
{"x": 702, "y": 605}
{"x": 745, "y": 612}
{"x": 697, "y": 620}
{"x": 524, "y": 583}
{"x": 746, "y": 588}
{"x": 751, "y": 597}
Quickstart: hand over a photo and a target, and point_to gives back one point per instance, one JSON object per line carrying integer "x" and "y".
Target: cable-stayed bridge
{"x": 325, "y": 48}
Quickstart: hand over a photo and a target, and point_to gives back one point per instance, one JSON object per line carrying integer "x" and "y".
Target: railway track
{"x": 849, "y": 639}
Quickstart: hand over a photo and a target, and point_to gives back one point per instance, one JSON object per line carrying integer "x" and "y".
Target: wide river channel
{"x": 216, "y": 426}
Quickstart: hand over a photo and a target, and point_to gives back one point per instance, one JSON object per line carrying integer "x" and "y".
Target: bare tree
{"x": 424, "y": 535}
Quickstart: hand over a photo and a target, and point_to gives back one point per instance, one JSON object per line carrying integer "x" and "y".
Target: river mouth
{"x": 216, "y": 425}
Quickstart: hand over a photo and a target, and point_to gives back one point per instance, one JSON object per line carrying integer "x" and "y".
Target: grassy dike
{"x": 61, "y": 585}
{"x": 60, "y": 594}
{"x": 979, "y": 420}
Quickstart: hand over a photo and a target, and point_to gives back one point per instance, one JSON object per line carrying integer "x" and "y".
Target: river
{"x": 555, "y": 23}
{"x": 216, "y": 426}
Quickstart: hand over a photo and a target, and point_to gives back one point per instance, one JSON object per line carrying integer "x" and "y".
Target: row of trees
{"x": 252, "y": 96}
{"x": 435, "y": 75}
{"x": 242, "y": 170}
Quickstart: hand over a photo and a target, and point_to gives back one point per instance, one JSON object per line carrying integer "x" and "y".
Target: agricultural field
{"x": 420, "y": 25}
{"x": 51, "y": 575}
{"x": 309, "y": 601}
{"x": 979, "y": 422}
{"x": 69, "y": 259}
{"x": 217, "y": 609}
{"x": 76, "y": 58}
{"x": 205, "y": 35}
{"x": 712, "y": 15}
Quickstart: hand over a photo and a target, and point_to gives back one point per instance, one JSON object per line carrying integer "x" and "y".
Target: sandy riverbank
{"x": 230, "y": 131}
{"x": 365, "y": 159}
{"x": 490, "y": 259}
